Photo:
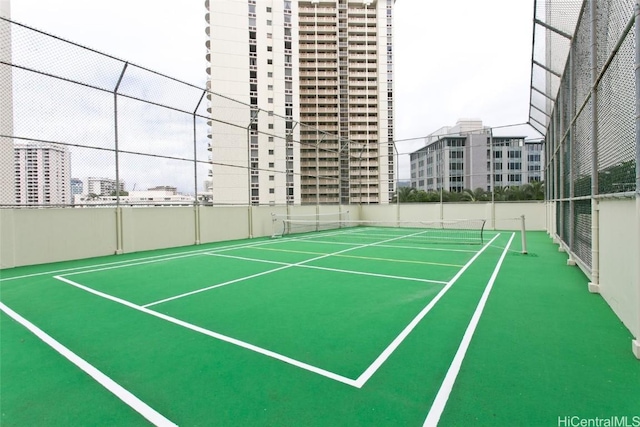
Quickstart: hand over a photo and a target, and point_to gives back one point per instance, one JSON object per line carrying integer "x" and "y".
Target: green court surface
{"x": 374, "y": 327}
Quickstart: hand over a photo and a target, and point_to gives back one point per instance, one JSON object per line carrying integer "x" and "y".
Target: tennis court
{"x": 351, "y": 326}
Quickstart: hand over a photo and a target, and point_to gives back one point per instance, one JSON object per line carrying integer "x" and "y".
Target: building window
{"x": 515, "y": 166}
{"x": 272, "y": 191}
{"x": 271, "y": 152}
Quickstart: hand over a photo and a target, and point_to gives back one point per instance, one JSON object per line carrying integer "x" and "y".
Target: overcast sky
{"x": 453, "y": 59}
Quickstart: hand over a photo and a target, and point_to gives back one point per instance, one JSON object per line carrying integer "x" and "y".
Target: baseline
{"x": 405, "y": 261}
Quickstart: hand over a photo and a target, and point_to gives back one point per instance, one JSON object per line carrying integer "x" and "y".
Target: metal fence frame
{"x": 125, "y": 82}
{"x": 590, "y": 117}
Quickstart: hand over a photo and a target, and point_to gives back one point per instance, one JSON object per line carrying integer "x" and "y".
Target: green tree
{"x": 406, "y": 194}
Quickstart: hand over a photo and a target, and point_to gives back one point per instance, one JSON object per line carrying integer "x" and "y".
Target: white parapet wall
{"x": 619, "y": 281}
{"x": 38, "y": 236}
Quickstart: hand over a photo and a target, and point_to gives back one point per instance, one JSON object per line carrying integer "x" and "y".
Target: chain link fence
{"x": 82, "y": 128}
{"x": 583, "y": 97}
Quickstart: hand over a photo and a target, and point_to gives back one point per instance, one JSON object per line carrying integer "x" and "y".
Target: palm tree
{"x": 406, "y": 194}
{"x": 476, "y": 195}
{"x": 499, "y": 194}
{"x": 537, "y": 190}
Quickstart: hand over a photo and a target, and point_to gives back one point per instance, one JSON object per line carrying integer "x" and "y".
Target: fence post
{"x": 636, "y": 342}
{"x": 119, "y": 231}
{"x": 571, "y": 140}
{"x": 594, "y": 284}
{"x": 196, "y": 203}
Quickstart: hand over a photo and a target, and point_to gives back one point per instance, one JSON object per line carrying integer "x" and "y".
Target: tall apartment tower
{"x": 252, "y": 56}
{"x": 325, "y": 71}
{"x": 42, "y": 174}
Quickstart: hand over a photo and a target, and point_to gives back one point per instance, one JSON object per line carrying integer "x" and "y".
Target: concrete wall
{"x": 149, "y": 228}
{"x": 619, "y": 256}
{"x": 37, "y": 236}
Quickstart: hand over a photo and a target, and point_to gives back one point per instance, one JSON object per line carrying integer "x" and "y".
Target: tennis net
{"x": 467, "y": 231}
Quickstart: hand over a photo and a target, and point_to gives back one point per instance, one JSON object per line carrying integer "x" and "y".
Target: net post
{"x": 523, "y": 235}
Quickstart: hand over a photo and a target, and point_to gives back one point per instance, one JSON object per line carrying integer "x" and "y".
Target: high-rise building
{"x": 467, "y": 156}
{"x": 323, "y": 70}
{"x": 42, "y": 174}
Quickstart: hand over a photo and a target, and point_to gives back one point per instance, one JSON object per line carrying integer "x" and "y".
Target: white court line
{"x": 358, "y": 383}
{"x": 405, "y": 332}
{"x": 337, "y": 270}
{"x": 367, "y": 258}
{"x": 426, "y": 248}
{"x": 219, "y": 285}
{"x": 297, "y": 264}
{"x": 120, "y": 392}
{"x": 440, "y": 401}
{"x": 215, "y": 335}
{"x": 419, "y": 248}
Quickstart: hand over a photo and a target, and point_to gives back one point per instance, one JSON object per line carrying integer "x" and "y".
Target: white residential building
{"x": 101, "y": 186}
{"x": 321, "y": 75}
{"x": 42, "y": 174}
